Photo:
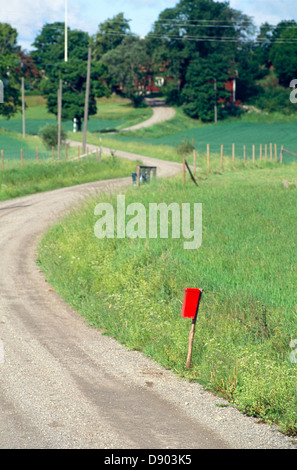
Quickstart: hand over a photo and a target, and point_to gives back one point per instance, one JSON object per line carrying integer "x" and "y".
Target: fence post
{"x": 265, "y": 152}
{"x": 222, "y": 153}
{"x": 184, "y": 169}
{"x": 271, "y": 152}
{"x": 22, "y": 157}
{"x": 208, "y": 162}
{"x": 37, "y": 155}
{"x": 2, "y": 160}
{"x": 281, "y": 154}
{"x": 244, "y": 154}
{"x": 194, "y": 162}
{"x": 66, "y": 153}
{"x": 253, "y": 154}
{"x": 260, "y": 151}
{"x": 275, "y": 152}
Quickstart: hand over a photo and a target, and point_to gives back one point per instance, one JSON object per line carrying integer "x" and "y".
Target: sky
{"x": 29, "y": 16}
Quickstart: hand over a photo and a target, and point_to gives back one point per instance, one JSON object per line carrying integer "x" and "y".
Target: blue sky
{"x": 28, "y": 16}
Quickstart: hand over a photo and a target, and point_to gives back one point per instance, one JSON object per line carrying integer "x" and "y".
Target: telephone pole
{"x": 59, "y": 117}
{"x": 86, "y": 114}
{"x": 66, "y": 32}
{"x": 23, "y": 107}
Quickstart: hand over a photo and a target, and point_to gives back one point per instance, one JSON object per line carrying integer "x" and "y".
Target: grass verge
{"x": 132, "y": 289}
{"x": 49, "y": 175}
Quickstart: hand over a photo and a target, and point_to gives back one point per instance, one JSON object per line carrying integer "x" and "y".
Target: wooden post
{"x": 265, "y": 152}
{"x": 260, "y": 151}
{"x": 66, "y": 153}
{"x": 270, "y": 152}
{"x": 191, "y": 340}
{"x": 2, "y": 160}
{"x": 194, "y": 162}
{"x": 275, "y": 152}
{"x": 37, "y": 155}
{"x": 87, "y": 95}
{"x": 22, "y": 157}
{"x": 244, "y": 154}
{"x": 233, "y": 155}
{"x": 191, "y": 335}
{"x": 184, "y": 169}
{"x": 222, "y": 154}
{"x": 208, "y": 159}
{"x": 253, "y": 154}
{"x": 281, "y": 154}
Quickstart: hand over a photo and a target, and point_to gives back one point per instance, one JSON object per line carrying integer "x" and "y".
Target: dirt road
{"x": 64, "y": 385}
{"x": 161, "y": 113}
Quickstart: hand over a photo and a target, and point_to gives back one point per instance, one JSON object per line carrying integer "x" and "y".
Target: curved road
{"x": 65, "y": 385}
{"x": 161, "y": 113}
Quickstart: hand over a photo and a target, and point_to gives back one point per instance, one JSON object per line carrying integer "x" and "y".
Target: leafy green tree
{"x": 283, "y": 53}
{"x": 205, "y": 87}
{"x": 130, "y": 68}
{"x": 9, "y": 64}
{"x": 110, "y": 35}
{"x": 49, "y": 56}
{"x": 194, "y": 33}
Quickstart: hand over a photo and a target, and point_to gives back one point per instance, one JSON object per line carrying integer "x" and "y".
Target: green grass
{"x": 163, "y": 139}
{"x": 49, "y": 175}
{"x": 113, "y": 113}
{"x": 132, "y": 289}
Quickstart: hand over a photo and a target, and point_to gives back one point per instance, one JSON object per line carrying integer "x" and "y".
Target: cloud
{"x": 265, "y": 10}
{"x": 29, "y": 16}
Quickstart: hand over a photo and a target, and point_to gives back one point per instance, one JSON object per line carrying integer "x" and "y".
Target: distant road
{"x": 161, "y": 113}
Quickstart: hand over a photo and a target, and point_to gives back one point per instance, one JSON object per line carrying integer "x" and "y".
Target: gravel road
{"x": 161, "y": 113}
{"x": 63, "y": 385}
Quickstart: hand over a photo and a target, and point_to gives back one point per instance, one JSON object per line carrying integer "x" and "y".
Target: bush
{"x": 49, "y": 135}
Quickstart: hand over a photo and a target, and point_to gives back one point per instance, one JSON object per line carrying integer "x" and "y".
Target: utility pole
{"x": 86, "y": 115}
{"x": 59, "y": 118}
{"x": 23, "y": 107}
{"x": 66, "y": 32}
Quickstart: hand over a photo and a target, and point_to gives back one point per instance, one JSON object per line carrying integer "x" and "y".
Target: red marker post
{"x": 190, "y": 309}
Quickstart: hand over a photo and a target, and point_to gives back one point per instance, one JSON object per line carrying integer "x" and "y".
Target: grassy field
{"x": 163, "y": 139}
{"x": 49, "y": 175}
{"x": 132, "y": 289}
{"x": 113, "y": 113}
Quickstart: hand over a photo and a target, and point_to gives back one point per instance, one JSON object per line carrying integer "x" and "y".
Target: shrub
{"x": 49, "y": 135}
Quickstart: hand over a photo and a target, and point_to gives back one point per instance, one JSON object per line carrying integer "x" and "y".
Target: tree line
{"x": 194, "y": 48}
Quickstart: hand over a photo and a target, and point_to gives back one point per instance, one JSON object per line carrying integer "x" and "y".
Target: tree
{"x": 110, "y": 35}
{"x": 49, "y": 56}
{"x": 73, "y": 76}
{"x": 130, "y": 68}
{"x": 205, "y": 87}
{"x": 283, "y": 53}
{"x": 196, "y": 32}
{"x": 9, "y": 63}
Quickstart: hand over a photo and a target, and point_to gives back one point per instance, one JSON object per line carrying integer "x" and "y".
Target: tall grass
{"x": 132, "y": 289}
{"x": 49, "y": 175}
